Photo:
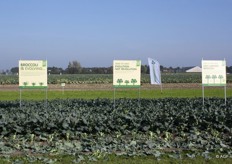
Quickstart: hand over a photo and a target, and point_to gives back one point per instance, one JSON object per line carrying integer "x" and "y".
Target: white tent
{"x": 194, "y": 69}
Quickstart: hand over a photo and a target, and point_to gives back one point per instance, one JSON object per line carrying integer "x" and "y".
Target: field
{"x": 82, "y": 123}
{"x": 107, "y": 78}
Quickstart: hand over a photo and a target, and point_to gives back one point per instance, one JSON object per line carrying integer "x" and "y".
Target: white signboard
{"x": 213, "y": 72}
{"x": 126, "y": 73}
{"x": 32, "y": 73}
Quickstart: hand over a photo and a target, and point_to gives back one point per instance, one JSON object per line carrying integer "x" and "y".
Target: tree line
{"x": 74, "y": 67}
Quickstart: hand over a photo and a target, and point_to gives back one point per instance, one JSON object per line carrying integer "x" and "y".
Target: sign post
{"x": 126, "y": 74}
{"x": 32, "y": 75}
{"x": 213, "y": 74}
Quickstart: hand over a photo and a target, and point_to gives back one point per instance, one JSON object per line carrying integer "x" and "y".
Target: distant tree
{"x": 161, "y": 68}
{"x": 74, "y": 67}
{"x": 144, "y": 69}
{"x": 14, "y": 70}
{"x": 7, "y": 72}
{"x": 86, "y": 70}
{"x": 55, "y": 70}
{"x": 177, "y": 69}
{"x": 99, "y": 70}
{"x": 110, "y": 69}
{"x": 229, "y": 69}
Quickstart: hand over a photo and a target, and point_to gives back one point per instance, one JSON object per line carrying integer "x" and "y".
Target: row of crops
{"x": 131, "y": 127}
{"x": 108, "y": 78}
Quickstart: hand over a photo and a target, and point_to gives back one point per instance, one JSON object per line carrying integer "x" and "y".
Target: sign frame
{"x": 213, "y": 74}
{"x": 126, "y": 73}
{"x": 32, "y": 74}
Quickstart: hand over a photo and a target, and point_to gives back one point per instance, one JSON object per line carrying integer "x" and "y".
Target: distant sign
{"x": 213, "y": 72}
{"x": 32, "y": 73}
{"x": 126, "y": 73}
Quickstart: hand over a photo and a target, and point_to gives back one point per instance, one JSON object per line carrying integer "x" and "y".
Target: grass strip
{"x": 127, "y": 93}
{"x": 113, "y": 159}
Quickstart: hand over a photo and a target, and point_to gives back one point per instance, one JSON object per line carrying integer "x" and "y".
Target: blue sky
{"x": 95, "y": 32}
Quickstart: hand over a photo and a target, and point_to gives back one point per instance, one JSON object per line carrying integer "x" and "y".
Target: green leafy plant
{"x": 127, "y": 82}
{"x": 25, "y": 83}
{"x": 214, "y": 77}
{"x": 94, "y": 127}
{"x": 133, "y": 81}
{"x": 119, "y": 81}
{"x": 220, "y": 77}
{"x": 208, "y": 77}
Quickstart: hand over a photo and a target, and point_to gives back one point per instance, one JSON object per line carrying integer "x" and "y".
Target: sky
{"x": 177, "y": 33}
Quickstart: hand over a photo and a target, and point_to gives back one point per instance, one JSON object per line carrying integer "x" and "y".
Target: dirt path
{"x": 110, "y": 86}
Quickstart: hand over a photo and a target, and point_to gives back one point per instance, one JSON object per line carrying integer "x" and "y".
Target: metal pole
{"x": 46, "y": 97}
{"x": 203, "y": 95}
{"x": 20, "y": 98}
{"x": 225, "y": 93}
{"x": 139, "y": 97}
{"x": 225, "y": 85}
{"x": 114, "y": 98}
{"x": 161, "y": 87}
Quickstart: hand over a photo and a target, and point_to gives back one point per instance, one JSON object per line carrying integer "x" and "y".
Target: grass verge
{"x": 113, "y": 159}
{"x": 127, "y": 93}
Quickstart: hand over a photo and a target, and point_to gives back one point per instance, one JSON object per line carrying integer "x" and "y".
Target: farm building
{"x": 194, "y": 69}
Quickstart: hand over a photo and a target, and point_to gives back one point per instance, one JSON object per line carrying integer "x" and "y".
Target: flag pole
{"x": 161, "y": 86}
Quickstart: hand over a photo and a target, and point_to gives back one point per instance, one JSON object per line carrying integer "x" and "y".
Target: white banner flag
{"x": 155, "y": 75}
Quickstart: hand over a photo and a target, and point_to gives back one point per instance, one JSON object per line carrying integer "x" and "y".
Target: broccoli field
{"x": 107, "y": 78}
{"x": 83, "y": 122}
{"x": 95, "y": 128}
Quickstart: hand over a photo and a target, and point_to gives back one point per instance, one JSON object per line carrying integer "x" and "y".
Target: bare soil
{"x": 110, "y": 86}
